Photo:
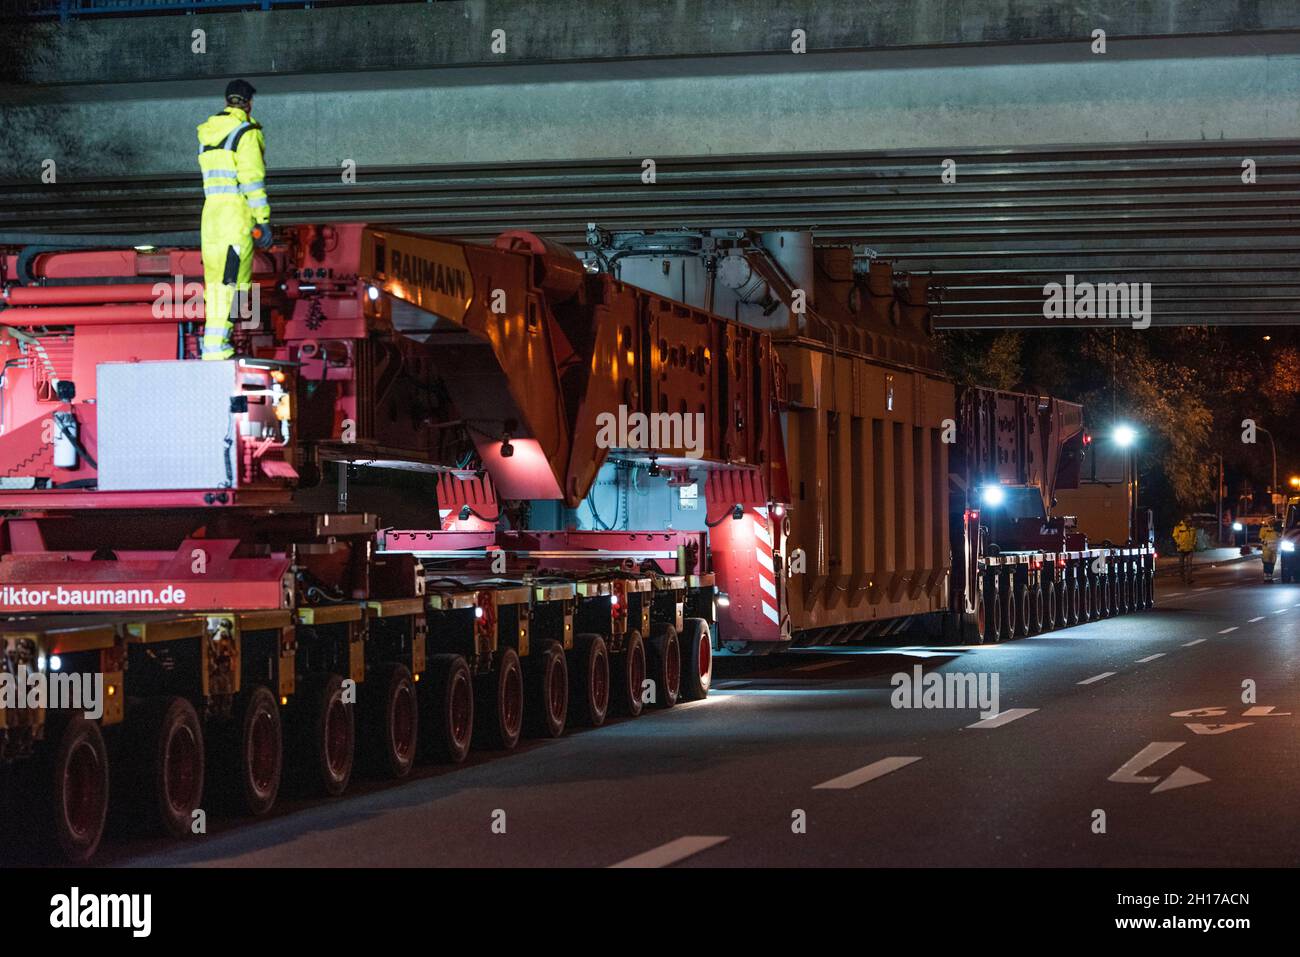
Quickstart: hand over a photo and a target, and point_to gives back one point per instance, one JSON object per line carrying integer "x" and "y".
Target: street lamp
{"x": 1125, "y": 437}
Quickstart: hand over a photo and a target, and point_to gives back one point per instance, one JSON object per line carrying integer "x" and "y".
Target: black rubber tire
{"x": 1025, "y": 610}
{"x": 1075, "y": 594}
{"x": 1088, "y": 598}
{"x": 589, "y": 685}
{"x": 990, "y": 605}
{"x": 1049, "y": 606}
{"x": 248, "y": 754}
{"x": 1150, "y": 577}
{"x": 1037, "y": 619}
{"x": 325, "y": 735}
{"x": 446, "y": 709}
{"x": 664, "y": 664}
{"x": 165, "y": 744}
{"x": 74, "y": 777}
{"x": 1007, "y": 596}
{"x": 547, "y": 691}
{"x": 629, "y": 673}
{"x": 389, "y": 718}
{"x": 697, "y": 659}
{"x": 499, "y": 704}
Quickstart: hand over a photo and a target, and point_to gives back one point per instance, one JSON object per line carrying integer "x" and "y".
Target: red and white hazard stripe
{"x": 766, "y": 565}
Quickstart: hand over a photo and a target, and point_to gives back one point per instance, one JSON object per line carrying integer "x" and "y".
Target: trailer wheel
{"x": 664, "y": 659}
{"x": 499, "y": 703}
{"x": 327, "y": 735}
{"x": 165, "y": 739}
{"x": 1010, "y": 628}
{"x": 1025, "y": 610}
{"x": 74, "y": 769}
{"x": 590, "y": 686}
{"x": 248, "y": 754}
{"x": 390, "y": 719}
{"x": 1035, "y": 614}
{"x": 548, "y": 691}
{"x": 697, "y": 659}
{"x": 1104, "y": 609}
{"x": 1049, "y": 606}
{"x": 989, "y": 611}
{"x": 1150, "y": 577}
{"x": 629, "y": 671}
{"x": 1076, "y": 600}
{"x": 447, "y": 709}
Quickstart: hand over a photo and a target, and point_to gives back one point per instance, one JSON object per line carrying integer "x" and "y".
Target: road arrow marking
{"x": 1153, "y": 752}
{"x": 1128, "y": 772}
{"x": 1264, "y": 711}
{"x": 1002, "y": 717}
{"x": 1143, "y": 661}
{"x": 1181, "y": 778}
{"x": 1104, "y": 674}
{"x": 672, "y": 852}
{"x": 1218, "y": 728}
{"x": 863, "y": 775}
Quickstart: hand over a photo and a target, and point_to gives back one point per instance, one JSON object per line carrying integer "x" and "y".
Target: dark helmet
{"x": 239, "y": 92}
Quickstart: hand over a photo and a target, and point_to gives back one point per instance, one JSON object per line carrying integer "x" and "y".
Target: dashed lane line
{"x": 672, "y": 852}
{"x": 1227, "y": 631}
{"x": 1188, "y": 644}
{"x": 862, "y": 775}
{"x": 1159, "y": 654}
{"x": 1088, "y": 681}
{"x": 1253, "y": 620}
{"x": 1002, "y": 717}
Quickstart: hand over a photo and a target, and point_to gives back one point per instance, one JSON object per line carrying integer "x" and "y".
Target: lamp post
{"x": 1125, "y": 437}
{"x": 1273, "y": 488}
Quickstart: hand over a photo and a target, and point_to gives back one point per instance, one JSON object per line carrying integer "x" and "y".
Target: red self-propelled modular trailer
{"x": 365, "y": 540}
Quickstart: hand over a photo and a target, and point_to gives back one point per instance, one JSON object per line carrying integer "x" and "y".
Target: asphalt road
{"x": 1100, "y": 719}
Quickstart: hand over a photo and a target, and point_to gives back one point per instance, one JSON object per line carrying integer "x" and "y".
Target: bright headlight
{"x": 1287, "y": 546}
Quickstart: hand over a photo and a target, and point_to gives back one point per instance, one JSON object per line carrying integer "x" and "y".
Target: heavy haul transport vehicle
{"x": 450, "y": 494}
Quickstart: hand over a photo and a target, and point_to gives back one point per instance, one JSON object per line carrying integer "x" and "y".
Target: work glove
{"x": 262, "y": 236}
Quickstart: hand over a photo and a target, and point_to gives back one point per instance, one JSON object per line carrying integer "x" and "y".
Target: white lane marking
{"x": 1174, "y": 594}
{"x": 1002, "y": 717}
{"x": 1278, "y": 611}
{"x": 1159, "y": 654}
{"x": 862, "y": 775}
{"x": 1188, "y": 644}
{"x": 1088, "y": 681}
{"x": 1181, "y": 778}
{"x": 672, "y": 852}
{"x": 1253, "y": 620}
{"x": 1153, "y": 752}
{"x": 1228, "y": 630}
{"x": 820, "y": 665}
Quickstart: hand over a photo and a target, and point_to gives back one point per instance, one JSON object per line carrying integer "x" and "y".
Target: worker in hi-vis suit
{"x": 236, "y": 212}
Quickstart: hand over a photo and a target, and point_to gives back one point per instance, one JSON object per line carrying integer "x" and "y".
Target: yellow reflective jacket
{"x": 1268, "y": 534}
{"x": 1185, "y": 537}
{"x": 231, "y": 145}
